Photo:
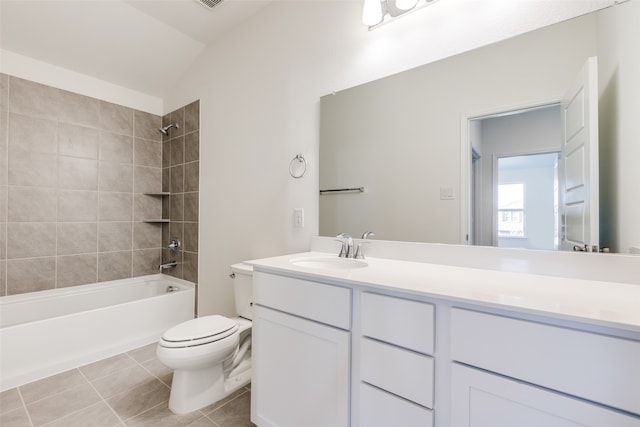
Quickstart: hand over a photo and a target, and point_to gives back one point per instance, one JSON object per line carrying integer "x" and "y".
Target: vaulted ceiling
{"x": 145, "y": 45}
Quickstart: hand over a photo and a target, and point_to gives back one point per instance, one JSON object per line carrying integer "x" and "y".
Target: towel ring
{"x": 298, "y": 166}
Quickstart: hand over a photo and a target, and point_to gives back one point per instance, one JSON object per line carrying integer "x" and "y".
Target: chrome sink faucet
{"x": 347, "y": 246}
{"x": 359, "y": 252}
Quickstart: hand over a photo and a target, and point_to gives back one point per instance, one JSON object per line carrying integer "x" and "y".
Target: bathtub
{"x": 47, "y": 332}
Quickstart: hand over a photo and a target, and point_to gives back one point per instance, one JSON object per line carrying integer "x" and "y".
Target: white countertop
{"x": 601, "y": 303}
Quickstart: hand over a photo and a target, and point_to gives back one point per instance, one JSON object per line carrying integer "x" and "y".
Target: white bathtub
{"x": 47, "y": 332}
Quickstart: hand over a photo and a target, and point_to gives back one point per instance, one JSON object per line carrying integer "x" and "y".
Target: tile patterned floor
{"x": 130, "y": 389}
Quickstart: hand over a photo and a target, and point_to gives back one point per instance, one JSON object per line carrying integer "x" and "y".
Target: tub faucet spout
{"x": 170, "y": 264}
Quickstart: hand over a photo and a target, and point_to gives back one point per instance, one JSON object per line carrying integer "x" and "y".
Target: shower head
{"x": 165, "y": 130}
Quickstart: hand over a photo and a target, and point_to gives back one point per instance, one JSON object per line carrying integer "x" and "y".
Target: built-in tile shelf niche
{"x": 157, "y": 220}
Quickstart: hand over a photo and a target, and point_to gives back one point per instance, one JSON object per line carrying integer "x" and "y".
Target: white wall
{"x": 260, "y": 86}
{"x": 619, "y": 85}
{"x": 41, "y": 72}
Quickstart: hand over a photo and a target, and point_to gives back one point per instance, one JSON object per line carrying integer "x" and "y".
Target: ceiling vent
{"x": 209, "y": 4}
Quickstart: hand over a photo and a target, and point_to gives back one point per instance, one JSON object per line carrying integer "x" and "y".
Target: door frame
{"x": 466, "y": 150}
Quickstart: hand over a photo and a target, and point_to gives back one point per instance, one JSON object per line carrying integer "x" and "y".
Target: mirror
{"x": 402, "y": 138}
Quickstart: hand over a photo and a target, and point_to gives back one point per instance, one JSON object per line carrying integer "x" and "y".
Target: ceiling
{"x": 151, "y": 42}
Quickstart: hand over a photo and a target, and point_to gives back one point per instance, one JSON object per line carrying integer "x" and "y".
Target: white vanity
{"x": 400, "y": 344}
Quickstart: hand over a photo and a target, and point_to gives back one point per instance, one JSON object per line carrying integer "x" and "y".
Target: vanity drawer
{"x": 599, "y": 368}
{"x": 402, "y": 372}
{"x": 315, "y": 301}
{"x": 406, "y": 323}
{"x": 381, "y": 409}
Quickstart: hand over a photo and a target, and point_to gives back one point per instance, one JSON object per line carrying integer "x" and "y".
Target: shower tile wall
{"x": 180, "y": 176}
{"x": 73, "y": 170}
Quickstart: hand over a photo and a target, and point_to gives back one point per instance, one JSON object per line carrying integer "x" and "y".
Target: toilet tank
{"x": 242, "y": 282}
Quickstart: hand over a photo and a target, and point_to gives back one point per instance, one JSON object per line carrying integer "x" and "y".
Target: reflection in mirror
{"x": 403, "y": 137}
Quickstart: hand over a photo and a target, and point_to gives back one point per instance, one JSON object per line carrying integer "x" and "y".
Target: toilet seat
{"x": 200, "y": 331}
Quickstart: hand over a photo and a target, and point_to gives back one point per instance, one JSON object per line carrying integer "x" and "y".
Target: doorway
{"x": 512, "y": 147}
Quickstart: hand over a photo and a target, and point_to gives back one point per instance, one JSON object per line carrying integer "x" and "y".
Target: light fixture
{"x": 377, "y": 12}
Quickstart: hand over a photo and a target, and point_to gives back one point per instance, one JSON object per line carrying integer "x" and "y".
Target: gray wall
{"x": 73, "y": 172}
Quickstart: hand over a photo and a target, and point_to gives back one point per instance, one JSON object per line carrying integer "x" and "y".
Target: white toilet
{"x": 210, "y": 355}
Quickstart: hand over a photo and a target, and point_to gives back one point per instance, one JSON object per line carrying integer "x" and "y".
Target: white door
{"x": 579, "y": 162}
{"x": 481, "y": 399}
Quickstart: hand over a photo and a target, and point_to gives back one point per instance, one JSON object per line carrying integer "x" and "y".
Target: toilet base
{"x": 194, "y": 389}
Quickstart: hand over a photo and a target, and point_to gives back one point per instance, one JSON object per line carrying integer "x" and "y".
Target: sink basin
{"x": 328, "y": 262}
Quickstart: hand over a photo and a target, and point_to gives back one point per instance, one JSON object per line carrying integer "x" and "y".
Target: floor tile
{"x": 135, "y": 401}
{"x": 49, "y": 386}
{"x": 236, "y": 413}
{"x": 142, "y": 354}
{"x": 107, "y": 366}
{"x": 10, "y": 400}
{"x": 209, "y": 409}
{"x": 97, "y": 415}
{"x": 123, "y": 379}
{"x": 160, "y": 416}
{"x": 163, "y": 373}
{"x": 57, "y": 406}
{"x": 15, "y": 418}
{"x": 203, "y": 422}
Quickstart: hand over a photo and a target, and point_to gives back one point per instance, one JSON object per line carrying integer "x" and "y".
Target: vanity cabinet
{"x": 528, "y": 373}
{"x": 301, "y": 353}
{"x": 396, "y": 364}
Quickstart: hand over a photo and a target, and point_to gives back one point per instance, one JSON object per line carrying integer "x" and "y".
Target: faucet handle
{"x": 343, "y": 249}
{"x": 347, "y": 245}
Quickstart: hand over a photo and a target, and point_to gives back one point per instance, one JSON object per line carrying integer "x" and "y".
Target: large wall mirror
{"x": 409, "y": 140}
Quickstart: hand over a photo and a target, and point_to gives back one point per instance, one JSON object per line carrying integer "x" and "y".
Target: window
{"x": 511, "y": 210}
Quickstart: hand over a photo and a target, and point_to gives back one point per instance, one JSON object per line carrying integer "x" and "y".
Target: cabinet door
{"x": 480, "y": 399}
{"x": 300, "y": 372}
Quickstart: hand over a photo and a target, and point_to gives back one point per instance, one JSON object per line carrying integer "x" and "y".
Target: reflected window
{"x": 511, "y": 220}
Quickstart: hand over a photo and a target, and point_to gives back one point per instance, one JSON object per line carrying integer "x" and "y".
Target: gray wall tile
{"x": 116, "y": 118}
{"x": 146, "y": 207}
{"x": 146, "y": 126}
{"x": 191, "y": 207}
{"x": 33, "y": 99}
{"x": 190, "y": 266}
{"x": 3, "y": 241}
{"x": 79, "y": 109}
{"x": 114, "y": 265}
{"x": 166, "y": 154}
{"x": 177, "y": 151}
{"x": 190, "y": 237}
{"x": 76, "y": 270}
{"x": 147, "y": 153}
{"x": 30, "y": 239}
{"x": 147, "y": 180}
{"x": 77, "y": 238}
{"x": 115, "y": 236}
{"x": 3, "y": 275}
{"x": 115, "y": 148}
{"x": 115, "y": 206}
{"x": 177, "y": 179}
{"x": 32, "y": 134}
{"x": 77, "y": 141}
{"x": 191, "y": 176}
{"x": 146, "y": 235}
{"x": 29, "y": 275}
{"x": 31, "y": 204}
{"x": 29, "y": 168}
{"x": 76, "y": 206}
{"x": 146, "y": 261}
{"x": 78, "y": 174}
{"x": 115, "y": 177}
{"x": 192, "y": 117}
{"x": 176, "y": 207}
{"x": 192, "y": 147}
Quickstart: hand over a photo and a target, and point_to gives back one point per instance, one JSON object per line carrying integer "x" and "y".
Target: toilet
{"x": 210, "y": 355}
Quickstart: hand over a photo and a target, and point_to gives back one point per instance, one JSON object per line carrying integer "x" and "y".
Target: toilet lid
{"x": 200, "y": 331}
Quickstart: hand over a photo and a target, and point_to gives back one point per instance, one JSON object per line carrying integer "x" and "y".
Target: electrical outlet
{"x": 298, "y": 217}
{"x": 446, "y": 193}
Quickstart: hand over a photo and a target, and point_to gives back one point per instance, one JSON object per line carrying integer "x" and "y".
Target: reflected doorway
{"x": 515, "y": 142}
{"x": 527, "y": 202}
